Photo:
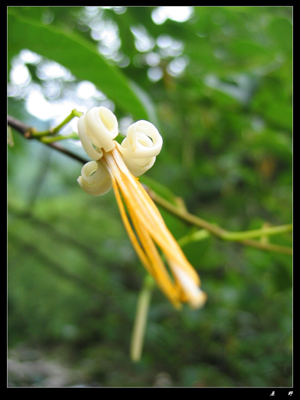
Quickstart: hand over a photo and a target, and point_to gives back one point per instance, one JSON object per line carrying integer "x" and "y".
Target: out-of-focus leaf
{"x": 275, "y": 142}
{"x": 200, "y": 51}
{"x": 239, "y": 86}
{"x": 281, "y": 113}
{"x": 281, "y": 31}
{"x": 282, "y": 277}
{"x": 249, "y": 51}
{"x": 79, "y": 56}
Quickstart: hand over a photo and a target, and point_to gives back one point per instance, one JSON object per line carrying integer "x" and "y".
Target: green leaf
{"x": 281, "y": 32}
{"x": 250, "y": 51}
{"x": 79, "y": 56}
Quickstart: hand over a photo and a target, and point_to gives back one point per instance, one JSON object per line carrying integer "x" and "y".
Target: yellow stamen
{"x": 150, "y": 231}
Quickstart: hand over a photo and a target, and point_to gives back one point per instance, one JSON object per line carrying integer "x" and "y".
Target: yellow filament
{"x": 149, "y": 229}
{"x": 151, "y": 219}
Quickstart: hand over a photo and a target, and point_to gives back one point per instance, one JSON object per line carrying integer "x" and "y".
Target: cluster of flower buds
{"x": 97, "y": 130}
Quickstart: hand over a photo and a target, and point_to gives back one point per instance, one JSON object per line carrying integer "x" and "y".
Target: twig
{"x": 19, "y": 126}
{"x": 179, "y": 211}
{"x": 26, "y": 131}
{"x": 66, "y": 152}
{"x": 241, "y": 237}
{"x": 53, "y": 131}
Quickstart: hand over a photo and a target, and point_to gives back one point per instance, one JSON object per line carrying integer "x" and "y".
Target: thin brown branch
{"x": 19, "y": 126}
{"x": 180, "y": 212}
{"x": 26, "y": 130}
{"x": 68, "y": 153}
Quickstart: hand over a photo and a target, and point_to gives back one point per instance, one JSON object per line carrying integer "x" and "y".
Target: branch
{"x": 27, "y": 131}
{"x": 242, "y": 237}
{"x": 19, "y": 126}
{"x": 66, "y": 152}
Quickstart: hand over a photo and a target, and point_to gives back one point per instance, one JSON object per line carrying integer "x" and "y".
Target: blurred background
{"x": 217, "y": 82}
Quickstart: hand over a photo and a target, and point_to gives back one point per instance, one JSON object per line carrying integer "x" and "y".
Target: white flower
{"x": 116, "y": 165}
{"x": 99, "y": 126}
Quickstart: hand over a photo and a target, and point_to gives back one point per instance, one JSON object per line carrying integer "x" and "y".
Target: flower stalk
{"x": 140, "y": 322}
{"x": 52, "y": 131}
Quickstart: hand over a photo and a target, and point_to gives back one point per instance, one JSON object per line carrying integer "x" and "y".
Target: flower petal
{"x": 140, "y": 147}
{"x": 100, "y": 125}
{"x": 94, "y": 179}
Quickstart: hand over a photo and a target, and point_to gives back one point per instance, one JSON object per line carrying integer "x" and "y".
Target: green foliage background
{"x": 226, "y": 121}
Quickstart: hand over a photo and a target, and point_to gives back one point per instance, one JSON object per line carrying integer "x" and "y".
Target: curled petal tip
{"x": 97, "y": 129}
{"x": 142, "y": 141}
{"x": 94, "y": 179}
{"x": 140, "y": 147}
